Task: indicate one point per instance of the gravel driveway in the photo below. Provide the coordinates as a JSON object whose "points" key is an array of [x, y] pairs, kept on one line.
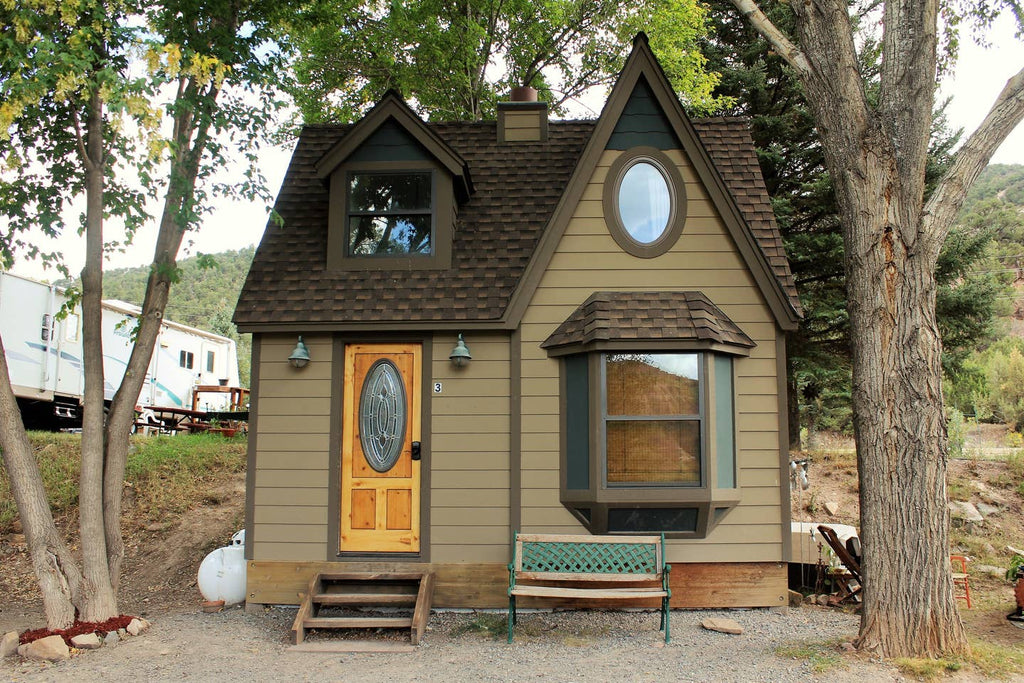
{"points": [[560, 646]]}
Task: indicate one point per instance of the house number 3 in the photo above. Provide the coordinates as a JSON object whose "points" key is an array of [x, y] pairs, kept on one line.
{"points": [[437, 387]]}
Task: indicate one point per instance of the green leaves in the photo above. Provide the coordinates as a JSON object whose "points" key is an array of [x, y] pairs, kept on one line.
{"points": [[455, 60]]}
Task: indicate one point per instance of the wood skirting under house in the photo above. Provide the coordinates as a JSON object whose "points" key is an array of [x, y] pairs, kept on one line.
{"points": [[694, 585]]}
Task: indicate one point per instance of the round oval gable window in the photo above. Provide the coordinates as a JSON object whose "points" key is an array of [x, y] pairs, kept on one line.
{"points": [[644, 202]]}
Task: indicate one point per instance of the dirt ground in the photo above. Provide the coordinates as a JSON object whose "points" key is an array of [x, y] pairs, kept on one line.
{"points": [[979, 477], [162, 559], [160, 564]]}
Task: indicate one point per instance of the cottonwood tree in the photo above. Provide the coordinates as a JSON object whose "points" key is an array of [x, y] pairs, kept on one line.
{"points": [[876, 150], [71, 103], [453, 60], [763, 87]]}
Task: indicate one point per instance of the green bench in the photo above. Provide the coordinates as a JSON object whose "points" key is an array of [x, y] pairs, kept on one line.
{"points": [[588, 568]]}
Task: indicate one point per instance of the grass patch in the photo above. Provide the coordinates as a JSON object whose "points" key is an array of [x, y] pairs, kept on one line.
{"points": [[988, 659], [164, 473], [821, 655], [488, 625], [927, 669]]}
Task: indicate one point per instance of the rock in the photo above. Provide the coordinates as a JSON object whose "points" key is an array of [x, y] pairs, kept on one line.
{"points": [[8, 644], [987, 510], [832, 508], [86, 641], [50, 649], [722, 625], [811, 599], [137, 626], [21, 650], [823, 600], [997, 572], [111, 638], [796, 598], [965, 512]]}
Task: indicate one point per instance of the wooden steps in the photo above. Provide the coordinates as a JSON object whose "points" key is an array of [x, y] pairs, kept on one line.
{"points": [[356, 594]]}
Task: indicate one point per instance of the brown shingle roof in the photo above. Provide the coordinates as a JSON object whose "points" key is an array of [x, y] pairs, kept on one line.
{"points": [[647, 316], [516, 190]]}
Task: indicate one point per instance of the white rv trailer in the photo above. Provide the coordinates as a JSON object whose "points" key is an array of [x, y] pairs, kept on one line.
{"points": [[44, 355]]}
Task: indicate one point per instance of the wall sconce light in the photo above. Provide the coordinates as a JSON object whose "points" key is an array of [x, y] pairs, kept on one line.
{"points": [[300, 355], [460, 354]]}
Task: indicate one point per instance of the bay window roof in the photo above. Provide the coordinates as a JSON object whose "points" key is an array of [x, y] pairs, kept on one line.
{"points": [[629, 320]]}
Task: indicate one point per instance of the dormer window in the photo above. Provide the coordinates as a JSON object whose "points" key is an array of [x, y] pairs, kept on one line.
{"points": [[390, 214]]}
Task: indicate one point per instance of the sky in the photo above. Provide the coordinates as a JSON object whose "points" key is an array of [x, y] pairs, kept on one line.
{"points": [[980, 75]]}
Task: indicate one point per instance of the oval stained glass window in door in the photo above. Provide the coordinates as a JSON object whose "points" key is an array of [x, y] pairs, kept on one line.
{"points": [[382, 415]]}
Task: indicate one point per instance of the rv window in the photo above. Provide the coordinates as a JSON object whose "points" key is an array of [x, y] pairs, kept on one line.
{"points": [[209, 361], [185, 359]]}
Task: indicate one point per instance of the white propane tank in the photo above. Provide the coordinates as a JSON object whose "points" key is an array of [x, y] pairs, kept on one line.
{"points": [[222, 572]]}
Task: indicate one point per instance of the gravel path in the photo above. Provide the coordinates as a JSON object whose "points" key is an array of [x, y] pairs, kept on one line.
{"points": [[561, 646]]}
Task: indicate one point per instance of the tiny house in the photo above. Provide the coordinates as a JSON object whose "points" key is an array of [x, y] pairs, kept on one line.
{"points": [[533, 325], [44, 355]]}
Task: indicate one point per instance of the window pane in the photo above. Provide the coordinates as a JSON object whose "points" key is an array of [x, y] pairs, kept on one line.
{"points": [[370, 235], [654, 451], [652, 384], [644, 202], [387, 192]]}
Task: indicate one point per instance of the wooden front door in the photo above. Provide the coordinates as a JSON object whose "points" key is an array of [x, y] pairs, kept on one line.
{"points": [[380, 466]]}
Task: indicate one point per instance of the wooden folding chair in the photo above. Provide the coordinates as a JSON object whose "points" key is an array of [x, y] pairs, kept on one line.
{"points": [[847, 592], [961, 583]]}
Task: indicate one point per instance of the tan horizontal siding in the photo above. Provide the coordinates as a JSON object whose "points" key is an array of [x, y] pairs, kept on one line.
{"points": [[290, 496], [273, 406], [468, 499], [291, 460], [293, 533], [704, 259], [289, 551], [460, 553], [294, 424], [291, 514], [470, 446]]}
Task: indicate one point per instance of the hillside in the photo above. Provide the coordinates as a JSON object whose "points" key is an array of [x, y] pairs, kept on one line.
{"points": [[204, 295]]}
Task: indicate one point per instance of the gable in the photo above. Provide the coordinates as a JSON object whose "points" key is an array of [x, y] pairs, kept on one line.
{"points": [[390, 142], [643, 77], [643, 122]]}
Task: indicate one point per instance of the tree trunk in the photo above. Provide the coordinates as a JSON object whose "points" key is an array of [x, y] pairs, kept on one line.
{"points": [[58, 575], [191, 133], [909, 609], [792, 404], [99, 601]]}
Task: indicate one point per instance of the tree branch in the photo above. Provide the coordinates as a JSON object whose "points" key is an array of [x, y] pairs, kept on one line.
{"points": [[945, 202], [782, 44]]}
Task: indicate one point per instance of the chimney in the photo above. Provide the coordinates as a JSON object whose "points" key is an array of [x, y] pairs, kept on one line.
{"points": [[523, 119]]}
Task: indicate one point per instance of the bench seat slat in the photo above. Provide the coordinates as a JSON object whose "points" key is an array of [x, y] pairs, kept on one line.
{"points": [[582, 538], [606, 593], [567, 576]]}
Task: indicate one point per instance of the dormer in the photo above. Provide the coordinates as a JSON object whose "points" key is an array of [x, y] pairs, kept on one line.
{"points": [[395, 187]]}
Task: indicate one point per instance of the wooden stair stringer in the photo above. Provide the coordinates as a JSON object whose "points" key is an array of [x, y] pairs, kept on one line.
{"points": [[328, 589]]}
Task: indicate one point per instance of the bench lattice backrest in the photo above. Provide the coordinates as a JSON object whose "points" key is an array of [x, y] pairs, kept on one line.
{"points": [[537, 554]]}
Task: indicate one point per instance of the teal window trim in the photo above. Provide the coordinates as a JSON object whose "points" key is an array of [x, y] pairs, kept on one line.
{"points": [[725, 423]]}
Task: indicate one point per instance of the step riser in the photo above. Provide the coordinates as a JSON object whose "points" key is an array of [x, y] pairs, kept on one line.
{"points": [[354, 590]]}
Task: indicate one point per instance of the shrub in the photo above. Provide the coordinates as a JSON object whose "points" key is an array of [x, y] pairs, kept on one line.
{"points": [[1003, 398]]}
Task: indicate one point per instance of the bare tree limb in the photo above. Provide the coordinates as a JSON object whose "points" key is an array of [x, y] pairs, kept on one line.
{"points": [[782, 44], [1006, 113]]}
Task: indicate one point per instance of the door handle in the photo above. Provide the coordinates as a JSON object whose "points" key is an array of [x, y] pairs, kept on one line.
{"points": [[416, 450]]}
